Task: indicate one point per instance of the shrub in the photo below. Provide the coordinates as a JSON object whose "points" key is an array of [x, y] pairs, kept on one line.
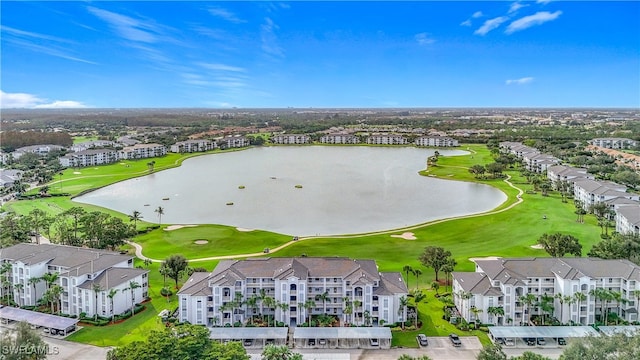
{"points": [[166, 292]]}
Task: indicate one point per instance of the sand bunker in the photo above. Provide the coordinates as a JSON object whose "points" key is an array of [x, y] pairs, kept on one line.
{"points": [[485, 258], [201, 242], [406, 236], [77, 172], [243, 229], [537, 246], [176, 227]]}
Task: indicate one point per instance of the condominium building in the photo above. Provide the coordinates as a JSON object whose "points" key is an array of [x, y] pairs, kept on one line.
{"points": [[339, 139], [517, 285], [563, 173], [437, 141], [189, 146], [291, 289], [86, 145], [388, 139], [590, 192], [614, 143], [235, 141], [89, 158], [291, 139], [142, 151], [628, 219], [84, 275]]}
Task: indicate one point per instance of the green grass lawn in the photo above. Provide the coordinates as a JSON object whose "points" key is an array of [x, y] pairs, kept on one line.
{"points": [[508, 233]]}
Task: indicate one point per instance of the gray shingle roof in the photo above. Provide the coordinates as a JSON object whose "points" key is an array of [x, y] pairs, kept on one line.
{"points": [[113, 277]]}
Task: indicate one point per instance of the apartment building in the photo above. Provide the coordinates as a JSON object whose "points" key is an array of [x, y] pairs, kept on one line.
{"points": [[628, 219], [142, 151], [190, 146], [296, 139], [35, 149], [85, 276], [437, 141], [339, 139], [504, 283], [614, 143], [89, 158], [235, 141], [590, 192], [387, 139], [563, 173], [352, 290], [86, 145]]}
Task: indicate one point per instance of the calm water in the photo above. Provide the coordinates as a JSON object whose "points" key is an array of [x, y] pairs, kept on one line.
{"points": [[344, 190]]}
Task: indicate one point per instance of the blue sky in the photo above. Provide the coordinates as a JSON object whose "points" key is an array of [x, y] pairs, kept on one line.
{"points": [[320, 54]]}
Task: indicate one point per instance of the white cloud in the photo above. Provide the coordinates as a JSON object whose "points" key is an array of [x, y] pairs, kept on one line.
{"points": [[521, 81], [225, 14], [466, 23], [538, 18], [490, 25], [270, 39], [30, 101], [424, 39], [516, 6], [543, 2], [127, 27], [222, 67], [66, 104], [477, 14]]}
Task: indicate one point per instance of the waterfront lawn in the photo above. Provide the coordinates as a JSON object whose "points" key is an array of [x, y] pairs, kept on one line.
{"points": [[222, 240]]}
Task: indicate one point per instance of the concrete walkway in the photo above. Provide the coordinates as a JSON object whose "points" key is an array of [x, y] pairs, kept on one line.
{"points": [[138, 247]]}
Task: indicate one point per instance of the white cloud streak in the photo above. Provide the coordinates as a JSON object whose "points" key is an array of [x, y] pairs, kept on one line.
{"points": [[41, 43], [521, 81], [225, 14], [424, 39], [490, 24], [516, 6], [30, 101], [526, 22], [477, 14], [466, 23], [127, 27], [270, 39]]}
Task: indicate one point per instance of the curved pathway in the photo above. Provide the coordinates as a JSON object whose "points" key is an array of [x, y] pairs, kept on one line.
{"points": [[519, 200]]}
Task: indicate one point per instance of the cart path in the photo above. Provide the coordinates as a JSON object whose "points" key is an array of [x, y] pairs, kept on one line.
{"points": [[138, 247]]}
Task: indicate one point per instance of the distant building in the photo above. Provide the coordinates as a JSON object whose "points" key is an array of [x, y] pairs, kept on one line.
{"points": [[614, 143], [233, 142], [388, 139], [92, 145], [628, 219], [437, 141], [297, 139], [339, 139], [141, 151], [8, 177], [590, 192], [89, 158], [558, 173], [190, 146], [35, 149]]}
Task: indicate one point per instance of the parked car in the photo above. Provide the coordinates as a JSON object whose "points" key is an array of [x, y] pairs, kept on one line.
{"points": [[312, 342], [561, 341], [422, 340], [509, 342], [455, 340], [374, 342], [529, 341], [248, 342], [541, 341], [322, 342]]}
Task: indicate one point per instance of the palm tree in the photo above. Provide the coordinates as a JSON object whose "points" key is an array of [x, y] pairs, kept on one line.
{"points": [[135, 217], [402, 306], [323, 297], [269, 302], [636, 294], [617, 296], [164, 271], [599, 294], [546, 305], [579, 297], [418, 296], [6, 272], [112, 293], [50, 278], [19, 287], [417, 273], [348, 309], [466, 295], [495, 311], [476, 312], [561, 299], [447, 269], [33, 282], [133, 285], [160, 212], [435, 286], [237, 303], [284, 307], [54, 296], [96, 289], [528, 299], [356, 305], [407, 269], [252, 303], [308, 305]]}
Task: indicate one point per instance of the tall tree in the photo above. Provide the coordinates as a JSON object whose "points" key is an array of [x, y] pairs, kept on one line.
{"points": [[176, 264], [579, 297], [434, 257], [133, 285], [135, 217], [557, 244], [407, 269], [160, 211], [279, 352], [528, 299], [32, 345], [96, 290], [111, 295], [402, 306]]}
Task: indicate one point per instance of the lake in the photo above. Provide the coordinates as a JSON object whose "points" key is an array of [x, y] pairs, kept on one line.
{"points": [[306, 190]]}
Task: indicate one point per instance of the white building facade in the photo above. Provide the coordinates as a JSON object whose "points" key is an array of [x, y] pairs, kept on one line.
{"points": [[351, 290]]}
